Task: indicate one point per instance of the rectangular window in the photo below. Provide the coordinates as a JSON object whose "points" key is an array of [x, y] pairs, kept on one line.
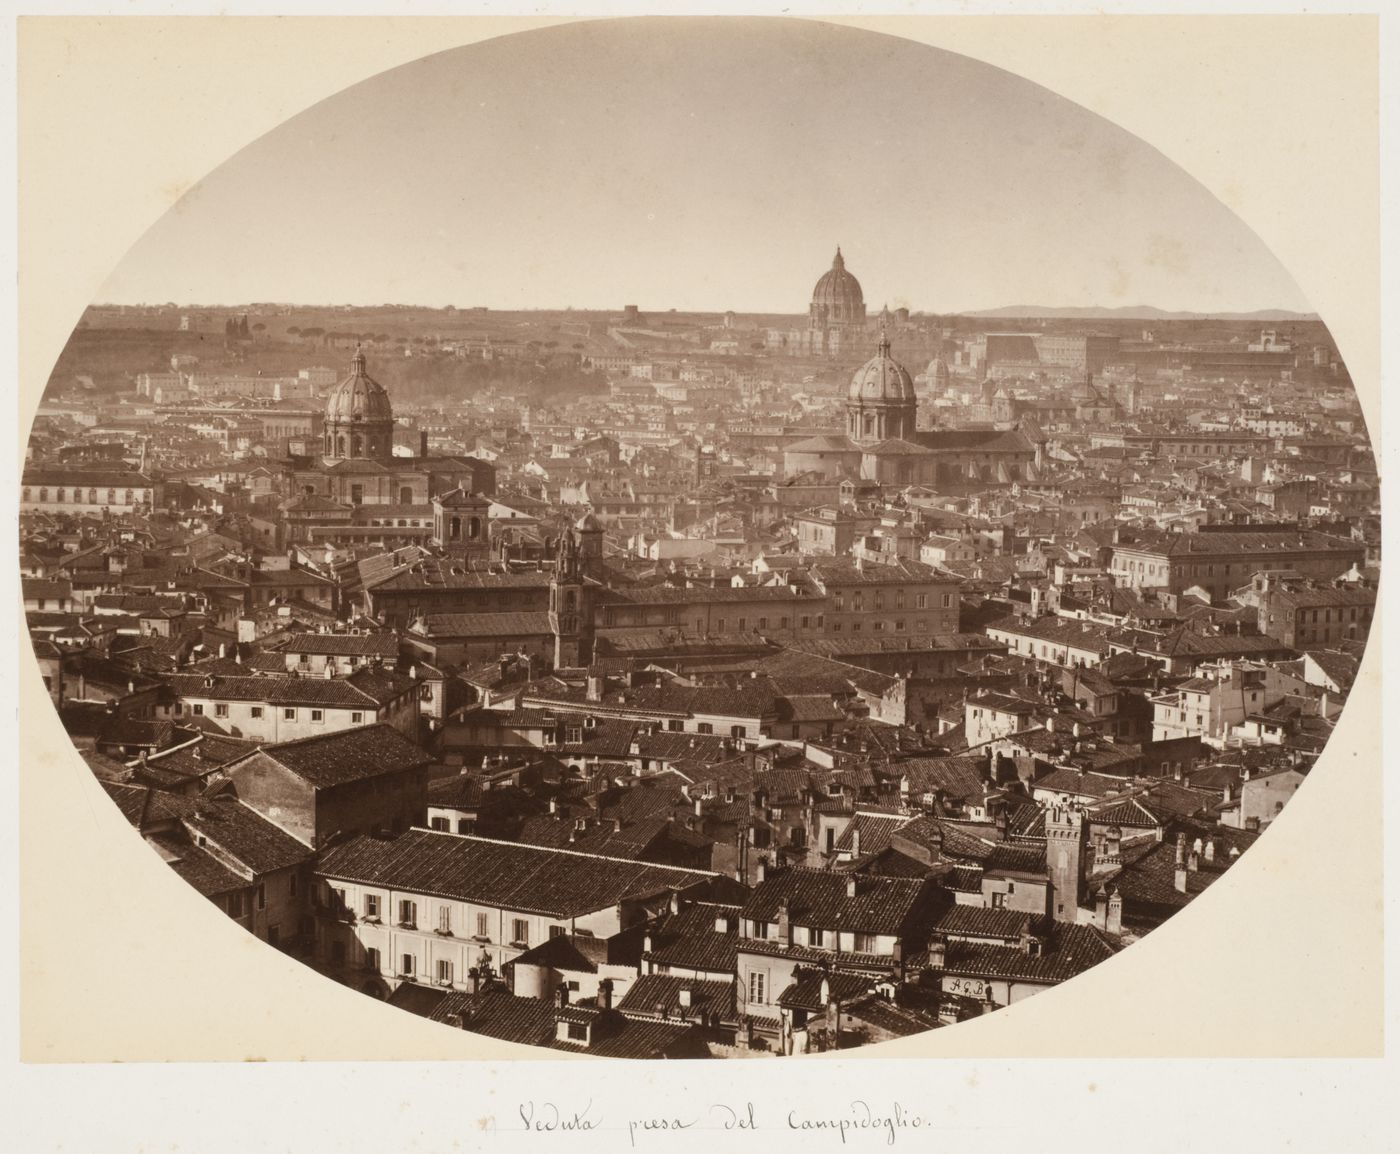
{"points": [[372, 959], [444, 972], [442, 824], [408, 914], [262, 896], [816, 937], [371, 905], [255, 712], [318, 715], [289, 715], [221, 710], [356, 718], [577, 1031], [760, 929], [482, 926], [557, 931], [444, 919], [406, 965], [197, 710], [738, 731], [704, 727], [519, 932], [947, 601], [757, 981], [998, 900]]}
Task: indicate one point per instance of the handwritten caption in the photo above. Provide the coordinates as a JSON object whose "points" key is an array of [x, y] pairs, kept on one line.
{"points": [[859, 1119]]}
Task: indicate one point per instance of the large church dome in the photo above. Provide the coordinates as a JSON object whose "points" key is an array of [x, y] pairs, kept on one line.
{"points": [[882, 378], [359, 422], [359, 397], [837, 298]]}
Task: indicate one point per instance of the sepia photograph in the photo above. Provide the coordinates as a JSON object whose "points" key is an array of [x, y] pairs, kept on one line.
{"points": [[726, 537]]}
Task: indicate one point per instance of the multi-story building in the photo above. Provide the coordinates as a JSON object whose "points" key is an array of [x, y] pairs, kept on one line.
{"points": [[1301, 615], [319, 789], [903, 597], [430, 906], [1221, 561]]}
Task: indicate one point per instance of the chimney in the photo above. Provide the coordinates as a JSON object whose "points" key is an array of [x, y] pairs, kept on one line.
{"points": [[1180, 880], [605, 994], [699, 807], [762, 872], [1180, 850], [1193, 862], [1101, 908], [1210, 851], [855, 843], [595, 686], [675, 902], [562, 993], [474, 980], [784, 925], [937, 954], [1050, 724], [851, 881], [684, 997]]}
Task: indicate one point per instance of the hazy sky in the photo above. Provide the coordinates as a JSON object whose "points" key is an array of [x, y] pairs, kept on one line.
{"points": [[700, 165]]}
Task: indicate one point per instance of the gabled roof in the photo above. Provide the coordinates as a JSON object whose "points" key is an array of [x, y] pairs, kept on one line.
{"points": [[819, 898], [506, 875], [332, 759]]}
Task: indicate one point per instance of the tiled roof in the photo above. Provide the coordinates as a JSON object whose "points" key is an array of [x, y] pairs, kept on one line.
{"points": [[197, 867], [349, 755], [982, 922], [553, 882], [384, 645], [365, 688], [1068, 950], [819, 898], [958, 778], [805, 990], [689, 941], [500, 1014], [246, 836], [438, 625], [875, 831], [659, 995]]}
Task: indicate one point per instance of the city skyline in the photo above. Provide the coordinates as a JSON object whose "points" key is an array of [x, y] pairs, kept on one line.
{"points": [[524, 162]]}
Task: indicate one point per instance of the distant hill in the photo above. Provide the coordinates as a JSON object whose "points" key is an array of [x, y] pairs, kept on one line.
{"points": [[1135, 313]]}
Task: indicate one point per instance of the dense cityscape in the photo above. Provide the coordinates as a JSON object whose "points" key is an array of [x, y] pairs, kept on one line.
{"points": [[653, 684]]}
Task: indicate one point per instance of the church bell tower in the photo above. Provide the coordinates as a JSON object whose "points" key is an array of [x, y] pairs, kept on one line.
{"points": [[570, 606]]}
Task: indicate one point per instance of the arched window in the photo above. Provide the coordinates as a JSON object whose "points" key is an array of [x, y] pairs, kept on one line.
{"points": [[43, 494], [126, 500], [26, 492], [58, 496], [455, 531], [340, 445], [92, 496], [111, 496], [373, 446], [355, 445]]}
